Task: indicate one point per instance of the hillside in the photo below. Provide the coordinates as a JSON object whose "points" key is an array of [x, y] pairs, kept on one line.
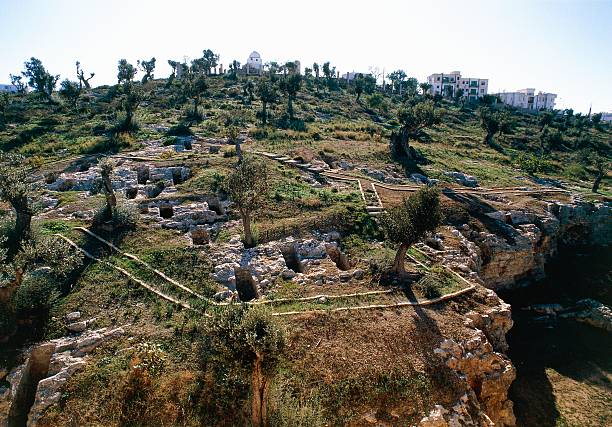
{"points": [[134, 334]]}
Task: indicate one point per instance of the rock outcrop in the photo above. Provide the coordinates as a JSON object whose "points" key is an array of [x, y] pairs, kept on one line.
{"points": [[481, 363], [299, 260], [46, 370], [463, 413], [523, 242]]}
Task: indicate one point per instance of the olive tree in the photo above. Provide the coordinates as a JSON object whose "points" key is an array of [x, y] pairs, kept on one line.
{"points": [[266, 91], [22, 250], [425, 87], [70, 91], [248, 185], [601, 165], [413, 118], [193, 86], [130, 95], [363, 84], [106, 172], [290, 85], [412, 220], [247, 339], [16, 190], [81, 76], [489, 122], [39, 78], [18, 82], [148, 67], [5, 101], [209, 60], [38, 251]]}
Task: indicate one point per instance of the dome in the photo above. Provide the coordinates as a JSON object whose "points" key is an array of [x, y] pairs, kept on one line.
{"points": [[254, 54]]}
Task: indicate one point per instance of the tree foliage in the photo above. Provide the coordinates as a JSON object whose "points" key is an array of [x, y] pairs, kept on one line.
{"points": [[248, 185], [39, 78], [412, 220], [125, 72], [130, 96], [193, 86], [81, 77], [266, 91], [70, 91], [489, 122], [290, 85], [413, 117], [16, 189], [148, 67], [363, 84], [18, 82], [247, 340]]}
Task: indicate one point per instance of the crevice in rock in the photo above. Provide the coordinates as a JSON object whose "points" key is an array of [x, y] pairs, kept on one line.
{"points": [[292, 259], [131, 192], [143, 174], [34, 370], [177, 176], [166, 211], [245, 284]]}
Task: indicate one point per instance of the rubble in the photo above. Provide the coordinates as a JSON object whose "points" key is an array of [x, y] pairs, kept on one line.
{"points": [[463, 179]]}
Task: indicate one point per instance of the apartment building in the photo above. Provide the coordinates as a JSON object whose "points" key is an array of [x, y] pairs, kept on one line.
{"points": [[528, 99], [8, 88], [448, 85]]}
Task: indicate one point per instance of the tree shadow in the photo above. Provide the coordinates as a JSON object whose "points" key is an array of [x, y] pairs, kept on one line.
{"points": [[478, 209]]}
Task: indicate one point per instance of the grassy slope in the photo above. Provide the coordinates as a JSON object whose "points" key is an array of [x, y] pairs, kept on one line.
{"points": [[337, 363]]}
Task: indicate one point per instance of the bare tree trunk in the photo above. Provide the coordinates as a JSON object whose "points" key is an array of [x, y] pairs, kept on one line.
{"points": [[290, 107], [23, 220], [400, 256], [260, 386], [248, 235], [264, 112], [597, 181], [111, 199], [238, 150]]}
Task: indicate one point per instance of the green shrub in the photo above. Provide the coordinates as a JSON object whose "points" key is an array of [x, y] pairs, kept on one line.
{"points": [[229, 153], [533, 164], [36, 295], [170, 140], [181, 129], [259, 133], [125, 217]]}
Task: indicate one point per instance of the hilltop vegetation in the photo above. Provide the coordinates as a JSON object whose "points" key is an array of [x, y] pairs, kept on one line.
{"points": [[311, 117]]}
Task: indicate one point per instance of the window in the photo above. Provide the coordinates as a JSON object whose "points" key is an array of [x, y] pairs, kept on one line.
{"points": [[482, 83], [481, 90], [437, 79]]}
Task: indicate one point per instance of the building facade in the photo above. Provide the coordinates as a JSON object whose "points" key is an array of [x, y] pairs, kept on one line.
{"points": [[8, 88], [606, 117], [448, 85], [254, 64], [527, 99], [352, 75]]}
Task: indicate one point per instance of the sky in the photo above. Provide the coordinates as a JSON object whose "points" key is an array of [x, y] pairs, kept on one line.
{"points": [[559, 46]]}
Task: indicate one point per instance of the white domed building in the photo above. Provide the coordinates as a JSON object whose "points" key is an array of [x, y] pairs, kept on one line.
{"points": [[254, 64]]}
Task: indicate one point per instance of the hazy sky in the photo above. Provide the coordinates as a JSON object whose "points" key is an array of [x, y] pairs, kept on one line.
{"points": [[564, 47]]}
